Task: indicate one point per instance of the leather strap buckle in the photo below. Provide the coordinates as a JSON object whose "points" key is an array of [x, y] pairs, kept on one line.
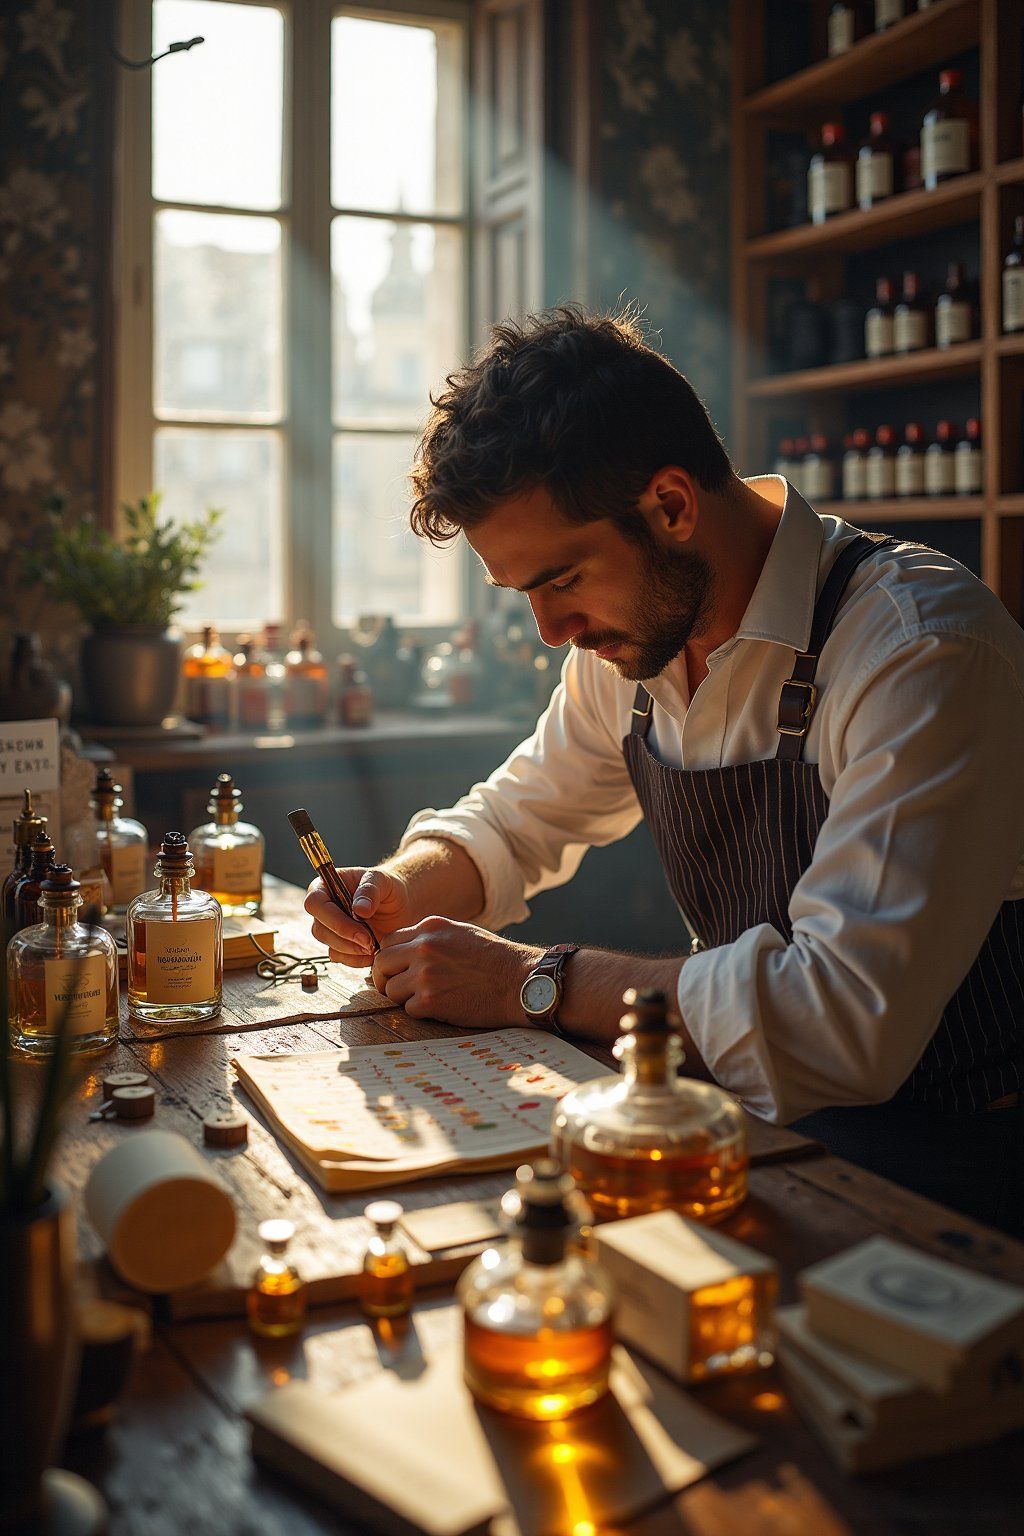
{"points": [[796, 707]]}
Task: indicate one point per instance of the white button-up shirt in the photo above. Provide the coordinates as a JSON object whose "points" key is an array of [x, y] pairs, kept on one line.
{"points": [[919, 741]]}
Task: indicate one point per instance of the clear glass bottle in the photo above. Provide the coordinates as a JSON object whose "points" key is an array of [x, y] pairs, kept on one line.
{"points": [[649, 1140], [175, 950], [59, 968], [387, 1282], [82, 851], [306, 687], [209, 672], [537, 1315], [28, 891], [354, 704], [252, 692], [276, 1303], [228, 853], [26, 826], [123, 843]]}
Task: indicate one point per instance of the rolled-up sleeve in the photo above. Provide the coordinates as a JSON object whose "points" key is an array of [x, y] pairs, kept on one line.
{"points": [[563, 790], [920, 847]]}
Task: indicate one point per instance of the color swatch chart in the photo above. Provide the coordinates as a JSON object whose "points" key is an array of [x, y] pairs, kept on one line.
{"points": [[475, 1096]]}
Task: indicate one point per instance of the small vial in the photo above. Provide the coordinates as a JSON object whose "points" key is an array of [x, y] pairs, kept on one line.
{"points": [[276, 1303], [387, 1281]]}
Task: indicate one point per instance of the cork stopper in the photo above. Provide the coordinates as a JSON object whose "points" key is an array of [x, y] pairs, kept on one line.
{"points": [[60, 888], [650, 1034], [27, 823], [225, 800], [106, 795], [174, 858], [543, 1219]]}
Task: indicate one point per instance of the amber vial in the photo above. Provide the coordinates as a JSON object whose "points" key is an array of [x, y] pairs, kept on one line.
{"points": [[387, 1282], [276, 1304]]}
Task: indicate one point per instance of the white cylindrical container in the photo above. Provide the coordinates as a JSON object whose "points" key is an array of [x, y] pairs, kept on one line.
{"points": [[164, 1216]]}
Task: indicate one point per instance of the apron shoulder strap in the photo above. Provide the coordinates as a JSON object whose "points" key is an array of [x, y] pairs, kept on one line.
{"points": [[640, 714], [799, 697]]}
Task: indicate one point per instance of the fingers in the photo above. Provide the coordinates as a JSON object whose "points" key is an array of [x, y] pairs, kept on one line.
{"points": [[371, 891], [330, 924], [354, 952]]}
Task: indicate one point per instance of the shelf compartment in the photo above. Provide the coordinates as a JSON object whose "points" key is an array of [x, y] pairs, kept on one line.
{"points": [[1010, 171], [1011, 345], [914, 44], [873, 372], [905, 509], [897, 218]]}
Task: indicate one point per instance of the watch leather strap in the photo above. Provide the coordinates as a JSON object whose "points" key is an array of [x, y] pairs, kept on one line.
{"points": [[552, 963]]}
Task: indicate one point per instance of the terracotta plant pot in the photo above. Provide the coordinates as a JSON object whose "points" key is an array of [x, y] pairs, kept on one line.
{"points": [[38, 1354], [131, 674]]}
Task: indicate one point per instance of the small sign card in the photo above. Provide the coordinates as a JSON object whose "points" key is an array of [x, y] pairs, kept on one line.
{"points": [[29, 759]]}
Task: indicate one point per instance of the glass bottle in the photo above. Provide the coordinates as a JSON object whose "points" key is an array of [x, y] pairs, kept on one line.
{"points": [[649, 1140], [387, 1282], [967, 466], [949, 132], [954, 309], [208, 672], [876, 163], [887, 14], [878, 322], [829, 182], [880, 473], [252, 694], [1013, 280], [819, 470], [940, 461], [60, 970], [855, 486], [276, 1303], [228, 853], [910, 320], [909, 468], [275, 675], [801, 448], [123, 842], [784, 459], [24, 829], [355, 696], [305, 683], [82, 851], [28, 890], [175, 950], [537, 1315], [845, 27]]}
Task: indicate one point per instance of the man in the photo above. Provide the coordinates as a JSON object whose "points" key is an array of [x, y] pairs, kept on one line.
{"points": [[825, 733]]}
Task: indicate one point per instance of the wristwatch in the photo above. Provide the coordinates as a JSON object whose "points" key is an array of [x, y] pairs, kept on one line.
{"points": [[541, 992]]}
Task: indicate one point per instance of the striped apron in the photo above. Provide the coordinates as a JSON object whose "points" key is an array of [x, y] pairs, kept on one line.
{"points": [[734, 842]]}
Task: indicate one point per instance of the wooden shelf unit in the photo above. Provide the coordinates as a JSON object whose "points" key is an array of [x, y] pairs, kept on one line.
{"points": [[987, 198]]}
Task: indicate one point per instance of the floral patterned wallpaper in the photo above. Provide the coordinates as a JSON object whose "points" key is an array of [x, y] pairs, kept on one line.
{"points": [[52, 240], [660, 234]]}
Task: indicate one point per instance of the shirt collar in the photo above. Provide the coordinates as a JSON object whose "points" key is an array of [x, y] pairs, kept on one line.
{"points": [[781, 608]]}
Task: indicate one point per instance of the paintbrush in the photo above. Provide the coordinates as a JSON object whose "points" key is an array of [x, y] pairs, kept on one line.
{"points": [[315, 849]]}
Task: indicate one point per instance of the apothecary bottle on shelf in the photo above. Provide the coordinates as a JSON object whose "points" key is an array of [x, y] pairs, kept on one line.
{"points": [[910, 328], [1013, 280], [829, 180], [879, 340], [855, 460], [876, 163], [26, 827], [175, 948], [537, 1313], [62, 974], [967, 461], [909, 470], [208, 670], [650, 1140], [949, 133], [123, 843], [940, 462], [228, 853], [305, 686], [880, 470], [845, 27], [954, 309], [887, 14]]}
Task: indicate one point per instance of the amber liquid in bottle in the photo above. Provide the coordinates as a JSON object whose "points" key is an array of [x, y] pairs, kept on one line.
{"points": [[545, 1376], [276, 1301], [704, 1187], [728, 1330], [387, 1283]]}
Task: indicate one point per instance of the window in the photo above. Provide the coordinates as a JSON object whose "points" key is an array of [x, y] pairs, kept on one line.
{"points": [[295, 243]]}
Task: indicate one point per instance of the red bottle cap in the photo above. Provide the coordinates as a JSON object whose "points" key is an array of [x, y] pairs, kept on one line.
{"points": [[914, 432], [911, 285], [945, 431], [973, 429], [885, 437], [883, 290], [954, 274], [950, 80], [879, 124], [832, 133], [847, 442], [786, 447], [819, 442], [861, 437], [801, 446]]}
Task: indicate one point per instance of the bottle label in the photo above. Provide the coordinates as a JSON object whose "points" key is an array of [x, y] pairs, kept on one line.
{"points": [[253, 704], [909, 474], [887, 12], [910, 330], [874, 177], [967, 471], [238, 871], [92, 893], [945, 149], [828, 188], [819, 480], [878, 334], [180, 961], [938, 472], [840, 32], [356, 706], [127, 872], [881, 478], [1013, 299], [80, 986], [305, 698], [952, 323], [208, 700], [855, 480]]}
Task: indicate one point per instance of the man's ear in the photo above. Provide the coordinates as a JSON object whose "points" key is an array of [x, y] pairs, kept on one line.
{"points": [[670, 504]]}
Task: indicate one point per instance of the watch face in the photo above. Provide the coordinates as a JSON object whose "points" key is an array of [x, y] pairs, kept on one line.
{"points": [[539, 994]]}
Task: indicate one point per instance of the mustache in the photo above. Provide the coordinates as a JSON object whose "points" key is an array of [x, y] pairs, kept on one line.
{"points": [[596, 642]]}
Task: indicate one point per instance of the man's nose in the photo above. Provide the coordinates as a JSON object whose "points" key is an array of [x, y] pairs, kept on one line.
{"points": [[555, 628]]}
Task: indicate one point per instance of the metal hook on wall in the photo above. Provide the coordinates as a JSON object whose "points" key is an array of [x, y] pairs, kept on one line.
{"points": [[148, 63]]}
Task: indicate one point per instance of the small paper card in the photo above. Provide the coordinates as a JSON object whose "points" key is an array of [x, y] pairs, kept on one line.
{"points": [[29, 759], [437, 1227]]}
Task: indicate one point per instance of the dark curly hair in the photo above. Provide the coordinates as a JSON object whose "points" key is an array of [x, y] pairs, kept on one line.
{"points": [[578, 403]]}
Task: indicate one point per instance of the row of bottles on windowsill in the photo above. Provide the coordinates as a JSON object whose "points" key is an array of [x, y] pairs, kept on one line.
{"points": [[838, 181], [257, 687], [880, 467], [850, 21]]}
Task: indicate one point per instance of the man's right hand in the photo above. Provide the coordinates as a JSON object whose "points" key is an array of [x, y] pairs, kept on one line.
{"points": [[379, 897]]}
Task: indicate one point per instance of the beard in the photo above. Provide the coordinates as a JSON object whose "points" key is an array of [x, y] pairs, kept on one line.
{"points": [[674, 605]]}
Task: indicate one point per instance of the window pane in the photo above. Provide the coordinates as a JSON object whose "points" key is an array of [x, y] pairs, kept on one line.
{"points": [[396, 116], [241, 473], [217, 110], [397, 316], [380, 566], [217, 316]]}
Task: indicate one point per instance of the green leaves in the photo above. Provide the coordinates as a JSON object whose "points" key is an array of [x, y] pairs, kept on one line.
{"points": [[137, 579]]}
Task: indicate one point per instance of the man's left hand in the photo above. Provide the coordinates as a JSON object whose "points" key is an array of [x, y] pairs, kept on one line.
{"points": [[455, 973]]}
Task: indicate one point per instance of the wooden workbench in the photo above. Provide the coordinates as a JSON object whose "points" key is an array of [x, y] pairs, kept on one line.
{"points": [[176, 1459]]}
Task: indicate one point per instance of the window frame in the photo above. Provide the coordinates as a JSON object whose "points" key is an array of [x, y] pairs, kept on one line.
{"points": [[306, 213]]}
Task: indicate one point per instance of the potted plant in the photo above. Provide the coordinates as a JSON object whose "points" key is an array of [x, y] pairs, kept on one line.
{"points": [[127, 590]]}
